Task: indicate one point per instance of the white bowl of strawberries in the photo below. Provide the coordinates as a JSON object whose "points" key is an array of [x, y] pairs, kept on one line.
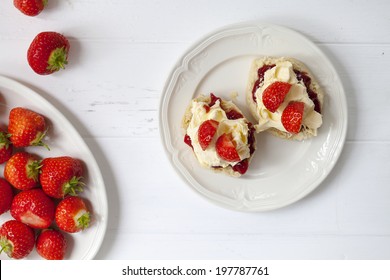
{"points": [[53, 201]]}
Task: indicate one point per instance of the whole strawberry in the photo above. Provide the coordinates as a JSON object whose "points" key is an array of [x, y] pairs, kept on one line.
{"points": [[33, 208], [22, 171], [6, 196], [6, 148], [30, 7], [51, 244], [16, 239], [48, 52], [26, 127], [61, 176], [72, 214]]}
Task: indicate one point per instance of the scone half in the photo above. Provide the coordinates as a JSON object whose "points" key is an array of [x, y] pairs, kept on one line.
{"points": [[221, 138], [302, 88]]}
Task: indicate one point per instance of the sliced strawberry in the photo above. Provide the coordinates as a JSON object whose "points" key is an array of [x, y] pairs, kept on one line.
{"points": [[206, 133], [226, 148], [274, 95], [292, 116]]}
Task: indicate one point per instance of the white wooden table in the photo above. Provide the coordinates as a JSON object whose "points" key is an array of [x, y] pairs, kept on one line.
{"points": [[121, 54]]}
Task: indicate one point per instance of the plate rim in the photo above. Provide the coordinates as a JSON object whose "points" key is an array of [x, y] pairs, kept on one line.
{"points": [[181, 64]]}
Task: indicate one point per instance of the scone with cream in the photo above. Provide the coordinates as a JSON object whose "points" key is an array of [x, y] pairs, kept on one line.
{"points": [[284, 98], [221, 137]]}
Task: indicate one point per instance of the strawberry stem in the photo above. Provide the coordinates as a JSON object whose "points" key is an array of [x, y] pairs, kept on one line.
{"points": [[57, 59], [73, 186], [83, 220], [33, 169], [6, 246], [38, 140], [4, 139]]}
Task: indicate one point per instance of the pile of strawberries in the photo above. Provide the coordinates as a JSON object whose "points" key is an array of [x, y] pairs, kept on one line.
{"points": [[40, 194], [48, 52]]}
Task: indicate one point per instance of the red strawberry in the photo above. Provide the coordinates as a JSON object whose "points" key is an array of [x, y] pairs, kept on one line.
{"points": [[6, 148], [48, 52], [61, 176], [27, 128], [274, 95], [206, 133], [33, 208], [51, 244], [292, 116], [22, 171], [30, 7], [72, 214], [226, 148], [6, 196], [16, 239]]}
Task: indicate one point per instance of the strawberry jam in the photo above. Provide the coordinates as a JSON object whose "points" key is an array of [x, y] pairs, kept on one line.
{"points": [[260, 79], [302, 76], [213, 100], [243, 165]]}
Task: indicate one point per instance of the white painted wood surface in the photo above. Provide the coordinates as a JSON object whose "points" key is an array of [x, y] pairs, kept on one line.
{"points": [[121, 54]]}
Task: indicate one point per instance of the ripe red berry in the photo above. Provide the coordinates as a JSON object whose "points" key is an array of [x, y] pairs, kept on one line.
{"points": [[48, 52], [226, 148], [206, 133], [33, 208], [292, 116], [72, 214], [61, 176], [30, 7], [6, 196], [51, 244], [274, 95], [22, 171], [26, 128], [16, 239]]}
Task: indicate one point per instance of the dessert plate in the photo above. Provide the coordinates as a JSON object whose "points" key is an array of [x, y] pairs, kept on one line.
{"points": [[282, 171], [63, 139]]}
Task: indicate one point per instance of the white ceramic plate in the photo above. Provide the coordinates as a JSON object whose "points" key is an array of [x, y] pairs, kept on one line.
{"points": [[63, 139], [282, 171]]}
